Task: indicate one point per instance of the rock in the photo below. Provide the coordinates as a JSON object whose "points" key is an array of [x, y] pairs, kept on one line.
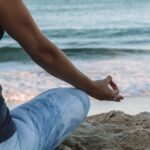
{"points": [[111, 131]]}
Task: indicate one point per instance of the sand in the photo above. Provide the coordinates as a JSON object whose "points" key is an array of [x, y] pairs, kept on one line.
{"points": [[111, 131]]}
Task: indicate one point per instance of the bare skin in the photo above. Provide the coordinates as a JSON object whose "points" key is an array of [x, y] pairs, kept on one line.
{"points": [[16, 20]]}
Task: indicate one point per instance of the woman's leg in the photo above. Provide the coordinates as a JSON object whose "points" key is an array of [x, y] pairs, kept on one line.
{"points": [[49, 118], [11, 144]]}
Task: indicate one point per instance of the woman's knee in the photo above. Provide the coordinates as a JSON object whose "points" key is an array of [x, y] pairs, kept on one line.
{"points": [[83, 98], [73, 108], [73, 100], [70, 102]]}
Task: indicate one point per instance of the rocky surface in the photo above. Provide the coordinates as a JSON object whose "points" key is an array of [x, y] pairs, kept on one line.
{"points": [[111, 131]]}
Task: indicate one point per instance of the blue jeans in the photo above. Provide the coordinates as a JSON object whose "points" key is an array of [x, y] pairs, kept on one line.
{"points": [[46, 121]]}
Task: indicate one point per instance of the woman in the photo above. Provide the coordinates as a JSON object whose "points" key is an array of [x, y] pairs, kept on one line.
{"points": [[45, 121]]}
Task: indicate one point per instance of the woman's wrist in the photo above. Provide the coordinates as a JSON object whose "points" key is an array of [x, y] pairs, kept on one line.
{"points": [[89, 86]]}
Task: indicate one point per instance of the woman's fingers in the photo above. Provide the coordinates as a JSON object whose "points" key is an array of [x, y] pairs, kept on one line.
{"points": [[112, 84], [113, 96], [108, 79], [109, 90], [118, 98]]}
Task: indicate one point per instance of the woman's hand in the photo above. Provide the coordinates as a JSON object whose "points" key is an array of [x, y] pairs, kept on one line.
{"points": [[105, 89]]}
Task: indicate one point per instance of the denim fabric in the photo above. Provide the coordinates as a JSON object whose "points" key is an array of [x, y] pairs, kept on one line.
{"points": [[45, 121]]}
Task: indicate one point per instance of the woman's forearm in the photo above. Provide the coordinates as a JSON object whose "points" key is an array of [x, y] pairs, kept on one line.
{"points": [[53, 60]]}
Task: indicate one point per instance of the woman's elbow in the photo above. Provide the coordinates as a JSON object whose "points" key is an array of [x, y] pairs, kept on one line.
{"points": [[41, 53], [42, 56]]}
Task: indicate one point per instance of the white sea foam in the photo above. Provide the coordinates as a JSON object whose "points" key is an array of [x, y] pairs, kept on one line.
{"points": [[24, 81]]}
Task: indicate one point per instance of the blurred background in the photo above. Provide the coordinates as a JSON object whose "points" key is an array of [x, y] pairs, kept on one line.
{"points": [[101, 37]]}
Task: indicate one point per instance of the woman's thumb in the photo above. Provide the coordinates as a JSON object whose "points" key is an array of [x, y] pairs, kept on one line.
{"points": [[108, 79]]}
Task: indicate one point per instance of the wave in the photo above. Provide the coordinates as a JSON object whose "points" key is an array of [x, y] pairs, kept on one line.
{"points": [[132, 36], [17, 54], [96, 32], [12, 54], [112, 31]]}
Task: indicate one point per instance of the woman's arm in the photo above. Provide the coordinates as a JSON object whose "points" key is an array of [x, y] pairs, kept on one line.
{"points": [[18, 23]]}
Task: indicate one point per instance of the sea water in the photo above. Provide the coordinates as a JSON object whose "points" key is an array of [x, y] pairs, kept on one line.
{"points": [[101, 37]]}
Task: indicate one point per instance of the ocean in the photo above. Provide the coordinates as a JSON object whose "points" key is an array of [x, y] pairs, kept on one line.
{"points": [[101, 37]]}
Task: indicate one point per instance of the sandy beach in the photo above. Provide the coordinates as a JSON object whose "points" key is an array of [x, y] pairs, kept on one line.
{"points": [[113, 130]]}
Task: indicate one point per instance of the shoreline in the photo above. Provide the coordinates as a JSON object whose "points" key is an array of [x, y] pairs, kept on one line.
{"points": [[130, 105]]}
